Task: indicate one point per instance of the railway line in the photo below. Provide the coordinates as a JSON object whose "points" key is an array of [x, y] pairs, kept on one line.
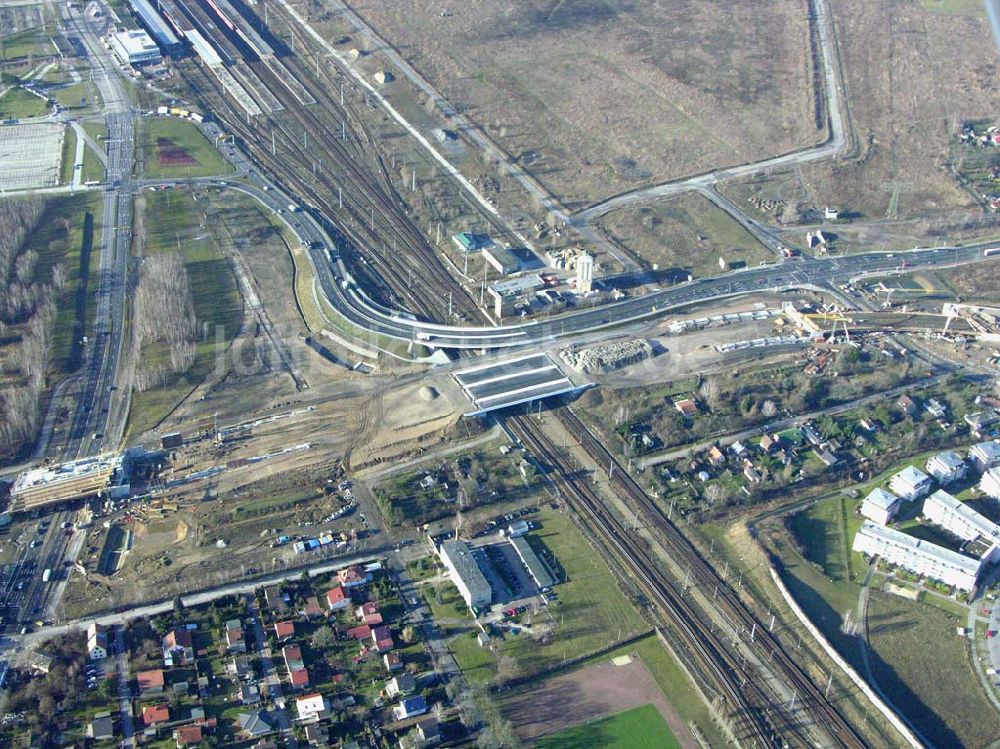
{"points": [[323, 152], [766, 646], [752, 712]]}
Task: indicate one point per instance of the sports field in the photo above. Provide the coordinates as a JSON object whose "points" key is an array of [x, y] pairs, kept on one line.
{"points": [[638, 728]]}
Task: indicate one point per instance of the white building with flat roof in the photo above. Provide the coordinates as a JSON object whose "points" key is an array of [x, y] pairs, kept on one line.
{"points": [[989, 484], [947, 467], [918, 556], [135, 47], [910, 483], [957, 517], [465, 573], [880, 506], [985, 455]]}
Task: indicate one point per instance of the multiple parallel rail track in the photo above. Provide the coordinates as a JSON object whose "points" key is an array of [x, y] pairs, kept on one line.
{"points": [[754, 713]]}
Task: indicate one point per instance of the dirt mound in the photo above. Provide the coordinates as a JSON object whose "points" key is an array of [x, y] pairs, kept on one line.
{"points": [[169, 153]]}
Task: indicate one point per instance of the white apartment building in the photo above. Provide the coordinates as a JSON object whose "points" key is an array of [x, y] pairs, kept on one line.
{"points": [[947, 467], [957, 517], [917, 556], [910, 483], [880, 506], [985, 455]]}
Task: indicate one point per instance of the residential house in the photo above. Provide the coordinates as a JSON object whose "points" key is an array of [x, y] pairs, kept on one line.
{"points": [[256, 724], [812, 434], [178, 645], [180, 688], [716, 456], [826, 457], [393, 661], [249, 694], [880, 506], [980, 420], [936, 408], [309, 706], [910, 483], [907, 405], [985, 455], [768, 443], [751, 474], [312, 608], [150, 682], [292, 655], [369, 613], [102, 727], [299, 678], [410, 707], [317, 735], [240, 667], [425, 733], [354, 576], [361, 632], [275, 599], [402, 684], [187, 736], [687, 408], [989, 484], [337, 598], [235, 642], [39, 663], [97, 642], [738, 449], [284, 630], [382, 637], [947, 467], [153, 714]]}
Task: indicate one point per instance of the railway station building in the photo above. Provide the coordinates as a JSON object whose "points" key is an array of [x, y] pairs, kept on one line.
{"points": [[134, 47], [465, 573]]}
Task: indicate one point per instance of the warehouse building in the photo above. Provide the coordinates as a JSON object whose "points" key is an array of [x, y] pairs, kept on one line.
{"points": [[503, 260], [77, 479], [134, 47], [880, 506], [985, 455], [917, 556], [157, 26], [468, 242], [465, 573], [947, 467], [536, 568], [910, 483], [957, 517]]}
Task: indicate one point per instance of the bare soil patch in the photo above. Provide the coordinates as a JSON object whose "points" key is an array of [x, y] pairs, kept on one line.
{"points": [[587, 694], [169, 153]]}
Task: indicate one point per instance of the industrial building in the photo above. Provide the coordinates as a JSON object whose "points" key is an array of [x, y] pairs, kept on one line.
{"points": [[957, 517], [910, 483], [468, 242], [584, 273], [917, 556], [536, 568], [881, 506], [134, 47], [157, 26], [507, 293], [465, 573], [503, 260], [985, 455], [77, 479], [989, 484], [947, 467]]}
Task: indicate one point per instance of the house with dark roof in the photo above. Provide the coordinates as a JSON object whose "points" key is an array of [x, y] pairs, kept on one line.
{"points": [[382, 637], [178, 645], [102, 727], [256, 724], [410, 707], [393, 662], [275, 599]]}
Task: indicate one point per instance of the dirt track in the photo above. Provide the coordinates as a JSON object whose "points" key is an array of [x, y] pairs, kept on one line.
{"points": [[588, 694]]}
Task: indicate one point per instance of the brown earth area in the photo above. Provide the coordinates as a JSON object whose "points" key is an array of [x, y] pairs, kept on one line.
{"points": [[590, 693], [170, 154]]}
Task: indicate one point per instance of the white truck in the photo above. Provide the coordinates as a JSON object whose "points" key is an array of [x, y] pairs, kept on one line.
{"points": [[47, 575]]}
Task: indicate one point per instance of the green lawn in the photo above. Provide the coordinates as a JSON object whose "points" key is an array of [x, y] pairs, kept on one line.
{"points": [[69, 97], [68, 155], [92, 167], [592, 612], [172, 147], [23, 43], [174, 222], [479, 665], [18, 104], [639, 728]]}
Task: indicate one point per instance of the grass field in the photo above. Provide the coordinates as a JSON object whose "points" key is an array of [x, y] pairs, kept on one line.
{"points": [[577, 92], [70, 97], [172, 147], [639, 728], [174, 222], [68, 156], [28, 42], [18, 104], [684, 235]]}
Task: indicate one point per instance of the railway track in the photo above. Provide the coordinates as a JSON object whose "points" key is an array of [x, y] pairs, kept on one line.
{"points": [[324, 153], [766, 646]]}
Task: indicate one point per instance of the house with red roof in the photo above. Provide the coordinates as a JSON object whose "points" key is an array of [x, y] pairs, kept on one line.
{"points": [[369, 613], [337, 598], [382, 638], [312, 609], [284, 630], [361, 632], [292, 655], [153, 714], [392, 661], [354, 576], [187, 736], [150, 682], [299, 678]]}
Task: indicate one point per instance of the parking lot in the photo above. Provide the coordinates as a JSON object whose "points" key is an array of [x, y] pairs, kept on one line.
{"points": [[30, 155]]}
